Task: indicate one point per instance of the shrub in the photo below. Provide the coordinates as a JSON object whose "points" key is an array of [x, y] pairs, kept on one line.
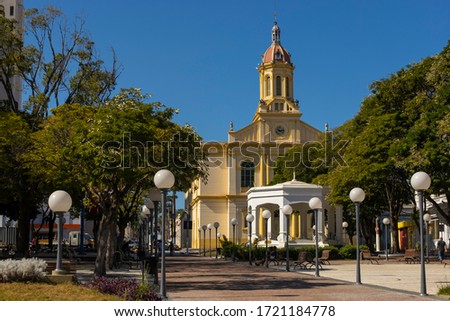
{"points": [[334, 252], [349, 251], [24, 270], [130, 290], [444, 289]]}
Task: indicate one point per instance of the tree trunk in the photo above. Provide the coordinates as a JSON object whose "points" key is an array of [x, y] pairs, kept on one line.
{"points": [[104, 231], [112, 245], [23, 239]]}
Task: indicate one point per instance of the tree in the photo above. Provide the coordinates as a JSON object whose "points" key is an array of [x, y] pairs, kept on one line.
{"points": [[426, 146], [113, 151], [19, 193], [402, 127], [59, 65], [10, 45], [394, 135]]}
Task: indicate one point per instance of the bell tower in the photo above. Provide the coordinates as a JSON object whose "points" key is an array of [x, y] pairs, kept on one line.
{"points": [[276, 79]]}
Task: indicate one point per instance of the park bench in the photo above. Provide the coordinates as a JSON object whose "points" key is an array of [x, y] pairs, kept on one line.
{"points": [[120, 259], [324, 259], [367, 256], [411, 256], [305, 260], [67, 265]]}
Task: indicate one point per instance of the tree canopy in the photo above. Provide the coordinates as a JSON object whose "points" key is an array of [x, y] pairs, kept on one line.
{"points": [[401, 128], [112, 151]]}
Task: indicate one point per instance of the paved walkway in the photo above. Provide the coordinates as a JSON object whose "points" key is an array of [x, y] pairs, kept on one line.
{"points": [[200, 278], [197, 278]]}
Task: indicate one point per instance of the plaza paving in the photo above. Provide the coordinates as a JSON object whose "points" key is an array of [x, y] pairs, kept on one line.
{"points": [[197, 278]]}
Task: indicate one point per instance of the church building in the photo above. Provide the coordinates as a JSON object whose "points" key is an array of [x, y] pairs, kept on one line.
{"points": [[242, 166]]}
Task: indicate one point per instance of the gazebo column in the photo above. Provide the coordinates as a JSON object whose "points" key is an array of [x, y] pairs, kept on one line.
{"points": [[254, 224], [283, 226], [295, 225]]}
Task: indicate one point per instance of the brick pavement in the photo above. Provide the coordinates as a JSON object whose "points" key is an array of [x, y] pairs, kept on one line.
{"points": [[196, 278]]}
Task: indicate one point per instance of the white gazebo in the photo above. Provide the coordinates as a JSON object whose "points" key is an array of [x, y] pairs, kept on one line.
{"points": [[302, 225]]}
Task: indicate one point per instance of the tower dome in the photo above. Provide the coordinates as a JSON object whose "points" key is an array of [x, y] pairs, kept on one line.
{"points": [[276, 52]]}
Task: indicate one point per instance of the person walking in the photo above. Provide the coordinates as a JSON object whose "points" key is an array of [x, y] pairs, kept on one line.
{"points": [[441, 249]]}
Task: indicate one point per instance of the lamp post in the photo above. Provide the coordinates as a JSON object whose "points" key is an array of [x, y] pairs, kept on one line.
{"points": [[155, 196], [287, 211], [188, 228], [204, 228], [209, 229], [420, 181], [216, 226], [250, 218], [150, 206], [218, 237], [234, 223], [315, 204], [164, 180], [386, 222], [59, 202], [344, 226], [145, 214], [427, 219], [200, 240], [357, 195], [266, 215]]}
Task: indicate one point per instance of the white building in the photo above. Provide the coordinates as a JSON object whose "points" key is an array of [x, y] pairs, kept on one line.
{"points": [[13, 9]]}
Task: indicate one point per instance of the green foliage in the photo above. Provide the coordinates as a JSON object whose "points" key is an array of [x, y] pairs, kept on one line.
{"points": [[349, 251], [444, 289], [259, 252], [112, 152]]}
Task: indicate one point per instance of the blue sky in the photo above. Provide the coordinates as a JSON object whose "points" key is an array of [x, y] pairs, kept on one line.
{"points": [[201, 56]]}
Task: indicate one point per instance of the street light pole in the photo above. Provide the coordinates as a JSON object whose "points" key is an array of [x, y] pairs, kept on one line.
{"points": [[151, 209], [344, 226], [427, 219], [204, 227], [386, 222], [233, 223], [60, 203], [357, 195], [200, 240], [315, 203], [420, 181], [216, 226], [209, 228], [164, 180], [266, 215], [250, 218], [145, 215], [287, 211]]}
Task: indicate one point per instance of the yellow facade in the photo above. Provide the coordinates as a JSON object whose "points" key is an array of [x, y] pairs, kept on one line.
{"points": [[247, 159]]}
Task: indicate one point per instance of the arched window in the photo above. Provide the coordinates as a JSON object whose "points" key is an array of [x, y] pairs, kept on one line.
{"points": [[267, 86], [247, 174], [278, 86], [288, 93]]}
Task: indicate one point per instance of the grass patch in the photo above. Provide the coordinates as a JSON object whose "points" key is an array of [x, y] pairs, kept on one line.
{"points": [[51, 292], [444, 290]]}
